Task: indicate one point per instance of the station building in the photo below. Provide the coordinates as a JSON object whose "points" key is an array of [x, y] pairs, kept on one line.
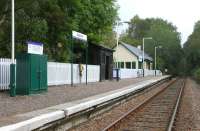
{"points": [[97, 55], [103, 56], [127, 56]]}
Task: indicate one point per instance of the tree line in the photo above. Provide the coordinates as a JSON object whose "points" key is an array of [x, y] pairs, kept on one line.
{"points": [[192, 52], [52, 21], [164, 34]]}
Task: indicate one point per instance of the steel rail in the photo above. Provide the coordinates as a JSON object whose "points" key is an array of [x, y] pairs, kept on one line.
{"points": [[113, 125], [172, 120]]}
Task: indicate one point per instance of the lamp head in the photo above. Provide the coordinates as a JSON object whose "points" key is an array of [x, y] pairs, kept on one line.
{"points": [[127, 22], [150, 38]]}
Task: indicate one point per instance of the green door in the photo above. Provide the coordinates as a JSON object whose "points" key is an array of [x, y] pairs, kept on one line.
{"points": [[35, 73], [43, 72]]}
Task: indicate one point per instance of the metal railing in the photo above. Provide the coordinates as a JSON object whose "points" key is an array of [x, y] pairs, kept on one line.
{"points": [[4, 73]]}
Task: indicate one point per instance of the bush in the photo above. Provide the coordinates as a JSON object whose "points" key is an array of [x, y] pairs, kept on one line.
{"points": [[196, 74]]}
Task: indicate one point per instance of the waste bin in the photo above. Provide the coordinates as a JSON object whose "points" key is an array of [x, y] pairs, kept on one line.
{"points": [[31, 74]]}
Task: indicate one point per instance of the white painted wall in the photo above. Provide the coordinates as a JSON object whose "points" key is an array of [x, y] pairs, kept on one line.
{"points": [[121, 54]]}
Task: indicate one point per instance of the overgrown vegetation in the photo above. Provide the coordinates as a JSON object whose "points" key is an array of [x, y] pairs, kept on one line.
{"points": [[52, 21], [196, 74], [192, 52]]}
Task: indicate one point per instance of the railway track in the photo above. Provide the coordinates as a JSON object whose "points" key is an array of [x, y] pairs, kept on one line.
{"points": [[155, 114]]}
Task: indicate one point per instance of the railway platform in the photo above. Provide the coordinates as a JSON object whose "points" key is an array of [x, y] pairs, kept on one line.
{"points": [[32, 112]]}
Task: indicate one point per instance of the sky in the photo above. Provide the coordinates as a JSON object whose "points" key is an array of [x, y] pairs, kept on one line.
{"points": [[182, 13]]}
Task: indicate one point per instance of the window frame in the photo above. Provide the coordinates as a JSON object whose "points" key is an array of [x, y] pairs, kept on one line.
{"points": [[133, 63]]}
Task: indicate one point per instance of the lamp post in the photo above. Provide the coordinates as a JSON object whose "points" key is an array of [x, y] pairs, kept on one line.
{"points": [[118, 33], [117, 66], [118, 24], [155, 60], [13, 31], [145, 38], [12, 66]]}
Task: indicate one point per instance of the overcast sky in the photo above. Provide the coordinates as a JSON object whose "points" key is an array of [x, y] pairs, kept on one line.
{"points": [[182, 13]]}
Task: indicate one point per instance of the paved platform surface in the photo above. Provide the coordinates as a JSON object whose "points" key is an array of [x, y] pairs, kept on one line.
{"points": [[11, 107]]}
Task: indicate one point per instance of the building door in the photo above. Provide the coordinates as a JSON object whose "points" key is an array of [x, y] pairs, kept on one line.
{"points": [[107, 67], [38, 72], [35, 73], [43, 72]]}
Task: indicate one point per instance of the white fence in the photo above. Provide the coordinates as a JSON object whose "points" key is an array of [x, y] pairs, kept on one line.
{"points": [[4, 73], [58, 73], [133, 73], [152, 73]]}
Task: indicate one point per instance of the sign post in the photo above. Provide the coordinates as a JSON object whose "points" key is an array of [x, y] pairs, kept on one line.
{"points": [[83, 38]]}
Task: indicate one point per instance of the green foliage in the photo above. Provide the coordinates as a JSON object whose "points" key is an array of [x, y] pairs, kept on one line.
{"points": [[192, 49], [164, 34], [196, 74], [52, 21], [127, 39]]}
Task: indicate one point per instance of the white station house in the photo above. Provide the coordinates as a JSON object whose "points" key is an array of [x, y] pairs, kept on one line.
{"points": [[129, 57]]}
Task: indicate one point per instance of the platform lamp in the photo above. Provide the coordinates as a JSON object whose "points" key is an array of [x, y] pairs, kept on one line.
{"points": [[155, 60], [143, 40], [117, 29], [13, 66]]}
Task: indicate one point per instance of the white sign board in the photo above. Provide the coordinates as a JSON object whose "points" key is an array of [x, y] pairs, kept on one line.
{"points": [[140, 59], [35, 48], [79, 36]]}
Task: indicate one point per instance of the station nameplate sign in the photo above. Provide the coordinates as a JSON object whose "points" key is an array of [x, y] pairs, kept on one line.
{"points": [[79, 36], [35, 48]]}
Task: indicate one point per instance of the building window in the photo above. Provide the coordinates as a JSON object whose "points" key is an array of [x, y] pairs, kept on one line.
{"points": [[140, 65], [121, 64], [134, 65], [118, 64], [128, 65]]}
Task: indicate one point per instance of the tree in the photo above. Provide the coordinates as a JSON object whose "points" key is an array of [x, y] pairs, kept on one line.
{"points": [[164, 34], [52, 21], [192, 50]]}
